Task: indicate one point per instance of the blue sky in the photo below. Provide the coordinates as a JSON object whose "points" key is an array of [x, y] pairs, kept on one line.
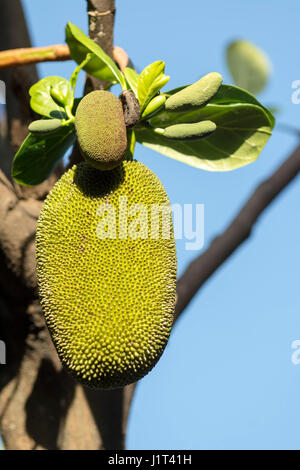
{"points": [[226, 380]]}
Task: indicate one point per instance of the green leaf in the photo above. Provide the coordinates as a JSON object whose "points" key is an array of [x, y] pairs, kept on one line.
{"points": [[249, 66], [229, 94], [150, 81], [242, 132], [43, 99], [38, 155], [273, 109], [132, 78], [101, 65]]}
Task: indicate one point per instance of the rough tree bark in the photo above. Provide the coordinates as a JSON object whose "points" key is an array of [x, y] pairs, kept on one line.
{"points": [[101, 14]]}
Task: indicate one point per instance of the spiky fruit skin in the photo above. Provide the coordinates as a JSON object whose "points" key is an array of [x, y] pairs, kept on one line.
{"points": [[44, 126], [101, 130], [108, 303], [191, 131], [195, 96]]}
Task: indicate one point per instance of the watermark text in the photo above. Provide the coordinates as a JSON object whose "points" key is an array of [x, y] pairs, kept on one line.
{"points": [[296, 354], [138, 221], [2, 92], [2, 353]]}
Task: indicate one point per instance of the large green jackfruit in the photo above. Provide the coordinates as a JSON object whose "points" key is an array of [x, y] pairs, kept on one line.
{"points": [[108, 300], [101, 130]]}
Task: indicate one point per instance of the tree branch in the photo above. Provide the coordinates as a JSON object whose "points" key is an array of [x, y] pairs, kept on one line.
{"points": [[101, 14], [56, 52], [203, 267], [33, 55]]}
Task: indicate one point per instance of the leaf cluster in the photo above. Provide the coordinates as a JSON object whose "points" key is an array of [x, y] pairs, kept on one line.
{"points": [[244, 125]]}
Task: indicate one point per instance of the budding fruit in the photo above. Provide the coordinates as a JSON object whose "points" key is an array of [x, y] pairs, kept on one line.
{"points": [[248, 65], [58, 96], [44, 126], [187, 132], [196, 95], [101, 130], [154, 106]]}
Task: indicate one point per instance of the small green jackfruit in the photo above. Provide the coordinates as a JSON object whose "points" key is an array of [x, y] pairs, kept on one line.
{"points": [[108, 300], [248, 65], [44, 126], [187, 132], [196, 95], [101, 130], [155, 105]]}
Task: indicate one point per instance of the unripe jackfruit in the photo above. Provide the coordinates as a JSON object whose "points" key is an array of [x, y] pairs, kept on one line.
{"points": [[196, 95], [248, 65], [101, 130], [44, 126], [108, 301], [190, 131]]}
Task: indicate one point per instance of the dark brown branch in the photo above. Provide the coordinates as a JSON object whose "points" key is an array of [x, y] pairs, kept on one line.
{"points": [[202, 268], [101, 14], [14, 34]]}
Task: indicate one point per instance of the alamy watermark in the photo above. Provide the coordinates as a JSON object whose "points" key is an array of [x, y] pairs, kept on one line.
{"points": [[2, 92], [296, 93], [296, 354], [137, 221], [2, 353]]}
